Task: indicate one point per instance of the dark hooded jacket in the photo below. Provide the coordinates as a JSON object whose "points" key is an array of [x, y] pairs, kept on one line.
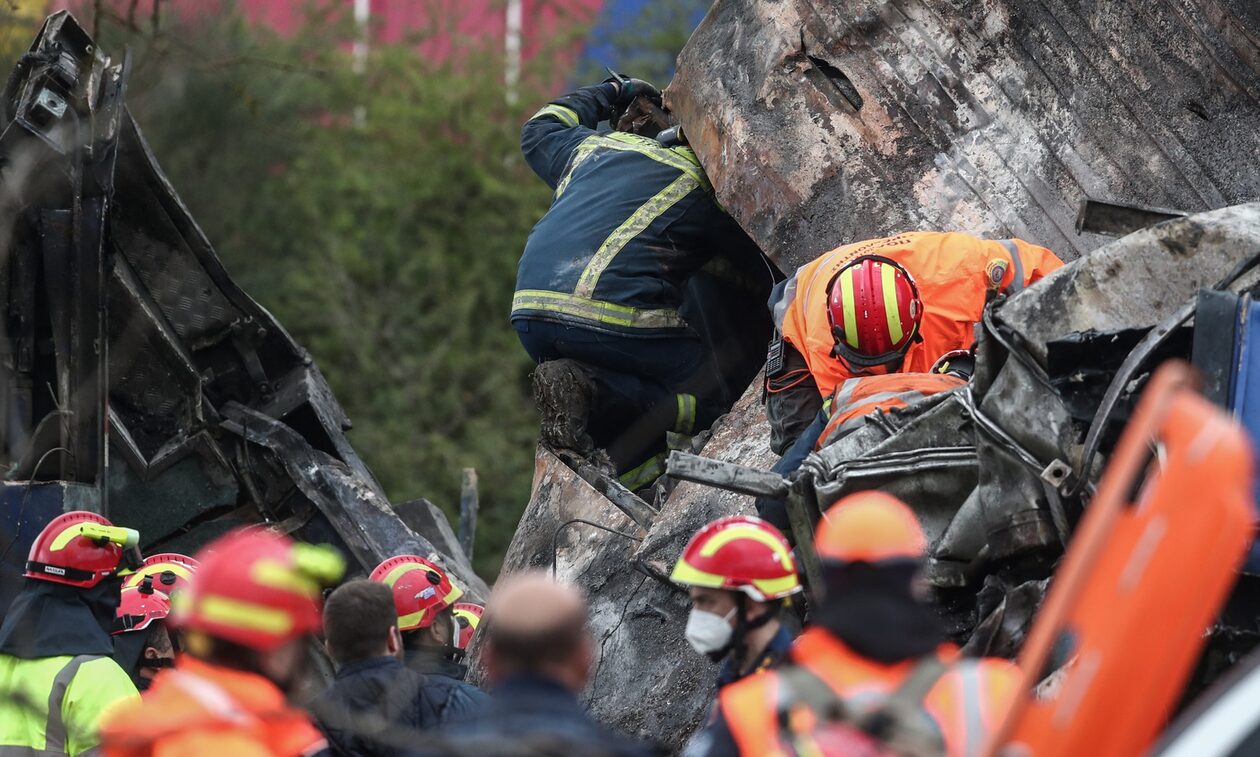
{"points": [[378, 706], [48, 619]]}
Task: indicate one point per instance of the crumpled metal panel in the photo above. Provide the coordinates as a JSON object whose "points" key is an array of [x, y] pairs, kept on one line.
{"points": [[1133, 283], [924, 454], [821, 122], [210, 414]]}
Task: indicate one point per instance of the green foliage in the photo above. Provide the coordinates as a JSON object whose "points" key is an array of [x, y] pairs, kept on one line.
{"points": [[379, 215]]}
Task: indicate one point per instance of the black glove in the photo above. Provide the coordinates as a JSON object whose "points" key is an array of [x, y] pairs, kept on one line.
{"points": [[628, 90]]}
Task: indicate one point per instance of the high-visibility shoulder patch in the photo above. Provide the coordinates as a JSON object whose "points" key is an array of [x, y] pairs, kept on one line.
{"points": [[995, 271]]}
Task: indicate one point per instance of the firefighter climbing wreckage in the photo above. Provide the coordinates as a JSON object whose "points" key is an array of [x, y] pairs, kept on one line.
{"points": [[938, 423]]}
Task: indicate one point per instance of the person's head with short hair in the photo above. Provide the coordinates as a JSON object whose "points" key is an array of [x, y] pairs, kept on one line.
{"points": [[360, 622], [535, 626]]}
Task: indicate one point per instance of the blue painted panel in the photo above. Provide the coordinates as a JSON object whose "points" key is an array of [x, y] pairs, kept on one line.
{"points": [[1245, 399], [602, 48], [24, 511]]}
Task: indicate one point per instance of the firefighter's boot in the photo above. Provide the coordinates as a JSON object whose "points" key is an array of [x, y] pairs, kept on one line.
{"points": [[563, 392]]}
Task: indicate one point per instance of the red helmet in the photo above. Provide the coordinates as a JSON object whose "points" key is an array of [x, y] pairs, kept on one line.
{"points": [[870, 526], [468, 616], [874, 310], [739, 553], [140, 606], [421, 589], [171, 572], [258, 588], [78, 549]]}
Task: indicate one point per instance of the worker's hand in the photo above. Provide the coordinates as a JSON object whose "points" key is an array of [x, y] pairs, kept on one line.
{"points": [[628, 89], [633, 88]]}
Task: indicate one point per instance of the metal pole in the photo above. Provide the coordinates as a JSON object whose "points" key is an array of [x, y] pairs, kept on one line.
{"points": [[514, 22], [359, 52], [469, 504], [362, 15]]}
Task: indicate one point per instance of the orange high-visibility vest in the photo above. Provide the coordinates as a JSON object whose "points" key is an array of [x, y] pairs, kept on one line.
{"points": [[198, 708], [964, 704], [856, 398], [953, 272]]}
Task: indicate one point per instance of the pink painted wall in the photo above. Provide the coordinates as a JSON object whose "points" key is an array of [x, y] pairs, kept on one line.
{"points": [[434, 23]]}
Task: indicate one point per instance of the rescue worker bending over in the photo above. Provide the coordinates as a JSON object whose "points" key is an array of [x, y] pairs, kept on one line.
{"points": [[884, 306], [874, 671], [246, 619], [143, 641], [602, 278], [424, 599], [739, 572], [57, 676]]}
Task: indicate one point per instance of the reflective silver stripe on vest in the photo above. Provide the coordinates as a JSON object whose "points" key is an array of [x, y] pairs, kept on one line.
{"points": [[1017, 283], [853, 424], [972, 703], [55, 730]]}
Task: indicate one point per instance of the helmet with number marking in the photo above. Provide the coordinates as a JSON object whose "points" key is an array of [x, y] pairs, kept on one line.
{"points": [[421, 589]]}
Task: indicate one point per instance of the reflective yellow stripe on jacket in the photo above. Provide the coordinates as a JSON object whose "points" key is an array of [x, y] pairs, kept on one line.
{"points": [[582, 303]]}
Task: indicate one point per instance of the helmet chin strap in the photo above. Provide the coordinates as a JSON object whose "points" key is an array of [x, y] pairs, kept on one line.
{"points": [[451, 651]]}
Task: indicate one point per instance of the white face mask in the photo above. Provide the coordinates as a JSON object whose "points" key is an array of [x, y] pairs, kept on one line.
{"points": [[709, 632]]}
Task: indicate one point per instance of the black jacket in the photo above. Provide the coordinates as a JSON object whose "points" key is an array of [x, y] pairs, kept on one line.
{"points": [[528, 715], [378, 706]]}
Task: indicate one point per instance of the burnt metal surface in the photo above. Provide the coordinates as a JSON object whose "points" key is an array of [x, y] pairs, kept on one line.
{"points": [[822, 123], [648, 681], [134, 366]]}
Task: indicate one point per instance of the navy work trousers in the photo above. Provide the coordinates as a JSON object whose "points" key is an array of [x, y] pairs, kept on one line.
{"points": [[637, 381]]}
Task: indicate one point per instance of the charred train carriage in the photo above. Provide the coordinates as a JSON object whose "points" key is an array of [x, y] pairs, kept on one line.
{"points": [[1068, 124], [138, 380]]}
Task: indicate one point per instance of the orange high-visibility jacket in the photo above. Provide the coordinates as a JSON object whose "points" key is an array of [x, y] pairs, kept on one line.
{"points": [[953, 272], [198, 708], [965, 704], [856, 398]]}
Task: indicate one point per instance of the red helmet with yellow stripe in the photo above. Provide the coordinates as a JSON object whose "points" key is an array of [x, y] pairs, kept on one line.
{"points": [[78, 548], [739, 553], [141, 605], [874, 310], [171, 572], [421, 589], [258, 588], [871, 527], [468, 616]]}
